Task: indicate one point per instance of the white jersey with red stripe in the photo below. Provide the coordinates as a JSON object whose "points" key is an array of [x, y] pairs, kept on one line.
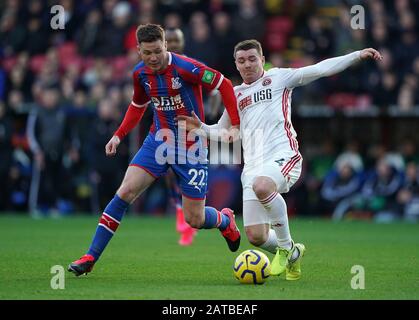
{"points": [[265, 118], [265, 109], [269, 141]]}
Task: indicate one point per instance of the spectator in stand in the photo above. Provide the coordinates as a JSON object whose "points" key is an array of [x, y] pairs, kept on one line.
{"points": [[376, 10], [107, 9], [88, 35], [378, 193], [112, 34], [407, 49], [386, 93], [225, 40], [340, 184], [96, 93], [351, 156], [408, 196], [384, 81], [72, 19], [67, 90], [381, 187], [248, 21], [35, 9], [318, 41], [48, 144], [408, 150], [172, 21], [314, 172], [380, 35], [6, 156], [106, 172], [2, 83], [20, 78], [36, 42], [412, 82], [20, 169], [406, 98], [199, 43], [48, 76], [147, 12], [415, 66], [355, 40], [319, 165], [275, 60], [343, 29], [12, 34], [80, 120]]}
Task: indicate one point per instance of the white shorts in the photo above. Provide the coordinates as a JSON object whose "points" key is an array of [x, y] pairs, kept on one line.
{"points": [[283, 171]]}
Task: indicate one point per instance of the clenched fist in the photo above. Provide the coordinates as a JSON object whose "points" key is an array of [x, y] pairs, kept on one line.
{"points": [[370, 53], [110, 148]]}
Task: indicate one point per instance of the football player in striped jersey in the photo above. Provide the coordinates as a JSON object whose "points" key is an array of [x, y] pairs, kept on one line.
{"points": [[171, 84]]}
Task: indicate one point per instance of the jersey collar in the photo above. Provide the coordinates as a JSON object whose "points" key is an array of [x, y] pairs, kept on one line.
{"points": [[170, 58]]}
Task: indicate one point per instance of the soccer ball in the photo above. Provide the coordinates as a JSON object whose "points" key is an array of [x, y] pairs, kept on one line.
{"points": [[252, 267]]}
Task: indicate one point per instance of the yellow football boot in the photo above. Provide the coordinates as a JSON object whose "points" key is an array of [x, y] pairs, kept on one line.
{"points": [[293, 268]]}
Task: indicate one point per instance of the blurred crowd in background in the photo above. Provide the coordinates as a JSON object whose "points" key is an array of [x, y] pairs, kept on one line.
{"points": [[64, 92]]}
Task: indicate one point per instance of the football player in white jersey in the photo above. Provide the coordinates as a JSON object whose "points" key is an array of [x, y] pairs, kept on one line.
{"points": [[270, 148]]}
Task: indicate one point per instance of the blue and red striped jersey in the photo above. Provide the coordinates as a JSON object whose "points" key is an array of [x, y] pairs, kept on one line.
{"points": [[176, 90]]}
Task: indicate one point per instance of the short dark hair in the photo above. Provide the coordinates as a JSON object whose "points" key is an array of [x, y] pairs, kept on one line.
{"points": [[149, 33], [247, 45]]}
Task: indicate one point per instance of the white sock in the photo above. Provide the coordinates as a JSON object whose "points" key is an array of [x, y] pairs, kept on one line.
{"points": [[277, 208], [272, 243]]}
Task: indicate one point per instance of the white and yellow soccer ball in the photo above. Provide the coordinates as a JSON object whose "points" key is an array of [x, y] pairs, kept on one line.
{"points": [[252, 267]]}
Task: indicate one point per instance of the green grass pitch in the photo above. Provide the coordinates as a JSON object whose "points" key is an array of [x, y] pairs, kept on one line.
{"points": [[144, 261]]}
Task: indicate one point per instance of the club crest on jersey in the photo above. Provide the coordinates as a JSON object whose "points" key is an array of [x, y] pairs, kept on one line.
{"points": [[176, 84], [266, 82]]}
